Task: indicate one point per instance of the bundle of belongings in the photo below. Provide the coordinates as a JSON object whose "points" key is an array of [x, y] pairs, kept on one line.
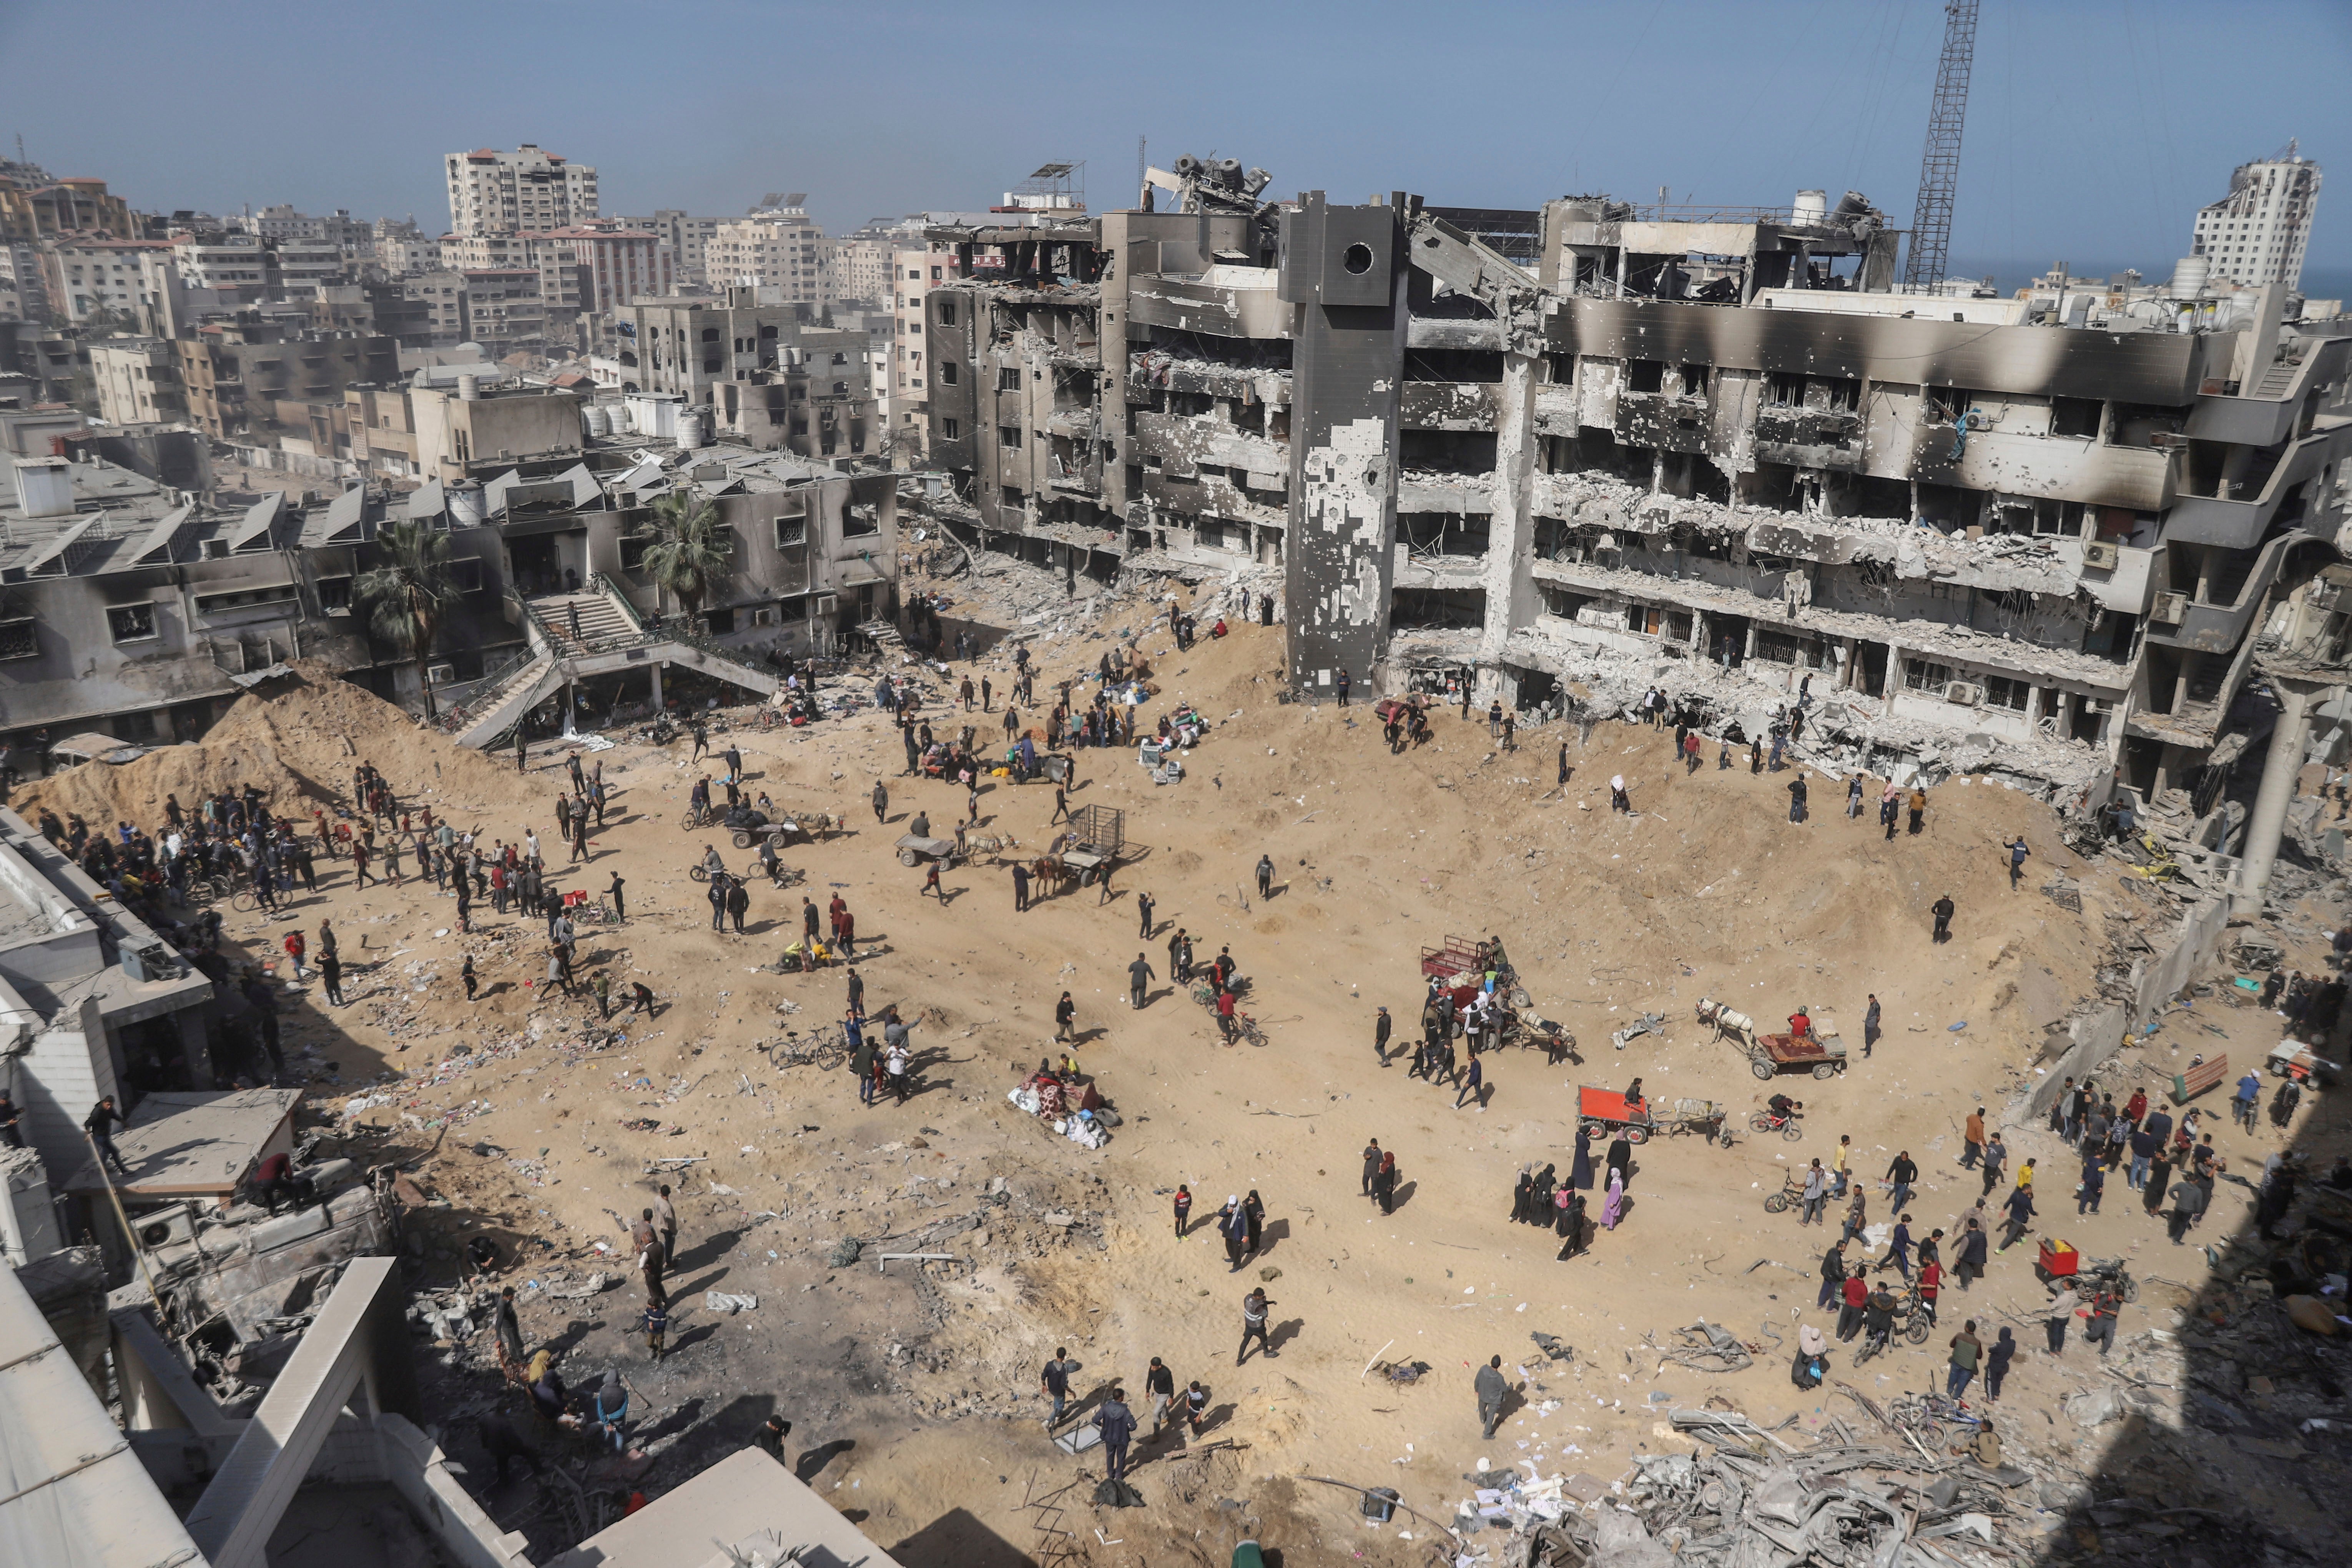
{"points": [[1185, 726], [1067, 1104]]}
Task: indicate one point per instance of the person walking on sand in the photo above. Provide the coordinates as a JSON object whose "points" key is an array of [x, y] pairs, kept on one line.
{"points": [[1942, 909], [1254, 1313], [1380, 1037], [1066, 1013], [1183, 1205], [1918, 807], [1384, 1182], [1371, 1164], [1474, 1084], [1139, 976], [2017, 856], [1232, 1223], [1264, 878], [1492, 1391], [1143, 907]]}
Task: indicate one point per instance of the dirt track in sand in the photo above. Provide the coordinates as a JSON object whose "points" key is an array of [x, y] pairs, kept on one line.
{"points": [[1706, 890]]}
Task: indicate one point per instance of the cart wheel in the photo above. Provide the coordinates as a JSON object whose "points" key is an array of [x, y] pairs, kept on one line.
{"points": [[1595, 1129], [742, 841], [1637, 1136], [906, 856], [1761, 1067], [1824, 1072], [1777, 1204], [1790, 1132]]}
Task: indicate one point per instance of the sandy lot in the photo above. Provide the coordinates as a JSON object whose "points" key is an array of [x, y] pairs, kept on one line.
{"points": [[914, 1389]]}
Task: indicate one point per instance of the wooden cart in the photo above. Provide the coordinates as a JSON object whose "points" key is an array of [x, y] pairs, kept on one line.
{"points": [[1822, 1053]]}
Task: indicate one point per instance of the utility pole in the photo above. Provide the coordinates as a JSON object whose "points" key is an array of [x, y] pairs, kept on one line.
{"points": [[1940, 165], [1142, 168]]}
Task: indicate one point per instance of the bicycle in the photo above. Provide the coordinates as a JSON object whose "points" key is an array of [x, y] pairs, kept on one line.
{"points": [[1764, 1122], [695, 819], [1931, 1417], [1791, 1193], [813, 1051], [1245, 1028]]}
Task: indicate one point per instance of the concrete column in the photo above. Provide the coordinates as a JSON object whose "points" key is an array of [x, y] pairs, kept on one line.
{"points": [[654, 670], [1846, 663], [1893, 675], [1506, 573], [1345, 271], [2281, 764]]}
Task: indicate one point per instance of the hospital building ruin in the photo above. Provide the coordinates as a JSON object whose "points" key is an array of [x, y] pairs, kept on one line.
{"points": [[1711, 451]]}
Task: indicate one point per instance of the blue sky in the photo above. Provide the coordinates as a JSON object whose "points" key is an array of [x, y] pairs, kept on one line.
{"points": [[2094, 128]]}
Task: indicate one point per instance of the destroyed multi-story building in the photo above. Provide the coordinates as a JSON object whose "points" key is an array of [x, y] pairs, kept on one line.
{"points": [[1627, 446]]}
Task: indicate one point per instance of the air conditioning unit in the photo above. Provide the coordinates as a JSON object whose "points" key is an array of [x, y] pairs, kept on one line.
{"points": [[440, 674], [765, 617], [164, 1227], [2100, 556], [826, 604], [1963, 693], [2169, 608]]}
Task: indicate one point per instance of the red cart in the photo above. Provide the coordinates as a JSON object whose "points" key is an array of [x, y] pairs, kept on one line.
{"points": [[1601, 1110]]}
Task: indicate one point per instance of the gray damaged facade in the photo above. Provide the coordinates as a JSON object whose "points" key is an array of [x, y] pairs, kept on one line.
{"points": [[139, 601], [1619, 447]]}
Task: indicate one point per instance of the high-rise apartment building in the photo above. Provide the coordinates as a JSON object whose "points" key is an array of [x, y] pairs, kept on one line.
{"points": [[773, 248], [508, 193], [620, 264], [2257, 233], [684, 236]]}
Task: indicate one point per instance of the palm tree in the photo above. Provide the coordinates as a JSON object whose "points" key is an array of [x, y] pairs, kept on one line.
{"points": [[691, 552], [405, 597]]}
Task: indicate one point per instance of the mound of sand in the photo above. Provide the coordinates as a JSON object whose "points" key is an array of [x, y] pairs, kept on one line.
{"points": [[300, 739]]}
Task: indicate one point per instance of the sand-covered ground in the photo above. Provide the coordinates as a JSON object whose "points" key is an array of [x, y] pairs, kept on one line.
{"points": [[914, 1387]]}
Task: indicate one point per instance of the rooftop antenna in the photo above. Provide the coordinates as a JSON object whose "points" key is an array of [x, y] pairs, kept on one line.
{"points": [[1940, 165]]}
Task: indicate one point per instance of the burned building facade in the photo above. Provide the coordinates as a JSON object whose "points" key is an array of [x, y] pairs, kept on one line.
{"points": [[1625, 448]]}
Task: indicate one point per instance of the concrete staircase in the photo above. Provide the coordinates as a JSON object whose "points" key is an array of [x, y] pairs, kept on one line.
{"points": [[576, 636], [583, 623]]}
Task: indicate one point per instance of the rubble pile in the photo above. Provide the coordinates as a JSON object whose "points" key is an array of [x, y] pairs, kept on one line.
{"points": [[299, 737], [1883, 1497]]}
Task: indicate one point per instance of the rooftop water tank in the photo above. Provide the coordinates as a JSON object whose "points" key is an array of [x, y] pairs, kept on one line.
{"points": [[2188, 275], [597, 421], [690, 429], [466, 507], [1812, 207], [469, 389]]}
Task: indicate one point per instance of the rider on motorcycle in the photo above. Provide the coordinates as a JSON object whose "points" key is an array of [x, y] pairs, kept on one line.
{"points": [[1877, 1320], [710, 860]]}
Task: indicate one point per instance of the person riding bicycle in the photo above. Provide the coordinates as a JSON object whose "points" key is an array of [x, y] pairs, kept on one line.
{"points": [[1782, 1107], [700, 799], [768, 858], [711, 861]]}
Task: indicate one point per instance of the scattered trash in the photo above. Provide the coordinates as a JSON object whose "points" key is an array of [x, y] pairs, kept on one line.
{"points": [[720, 1302]]}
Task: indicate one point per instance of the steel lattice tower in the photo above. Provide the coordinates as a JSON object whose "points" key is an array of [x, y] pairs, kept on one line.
{"points": [[1939, 166]]}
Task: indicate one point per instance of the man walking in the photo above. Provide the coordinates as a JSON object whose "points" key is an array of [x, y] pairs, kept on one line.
{"points": [[1254, 1310], [1065, 1012], [1973, 1136], [1942, 909], [1380, 1037], [1832, 1276], [1492, 1391], [1903, 1172], [1473, 1083], [881, 803], [1020, 887], [1264, 878], [1371, 1164], [1055, 1383], [1143, 908], [1160, 1388], [1138, 975], [2017, 857], [100, 1124], [1870, 1026], [1996, 1155], [1118, 1425]]}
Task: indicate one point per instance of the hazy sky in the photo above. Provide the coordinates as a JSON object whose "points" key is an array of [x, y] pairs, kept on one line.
{"points": [[2095, 127]]}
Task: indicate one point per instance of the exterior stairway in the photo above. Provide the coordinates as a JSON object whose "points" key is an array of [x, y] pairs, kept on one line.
{"points": [[583, 623], [576, 636]]}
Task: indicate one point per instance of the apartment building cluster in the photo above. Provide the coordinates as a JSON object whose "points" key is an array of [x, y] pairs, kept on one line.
{"points": [[1622, 447]]}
